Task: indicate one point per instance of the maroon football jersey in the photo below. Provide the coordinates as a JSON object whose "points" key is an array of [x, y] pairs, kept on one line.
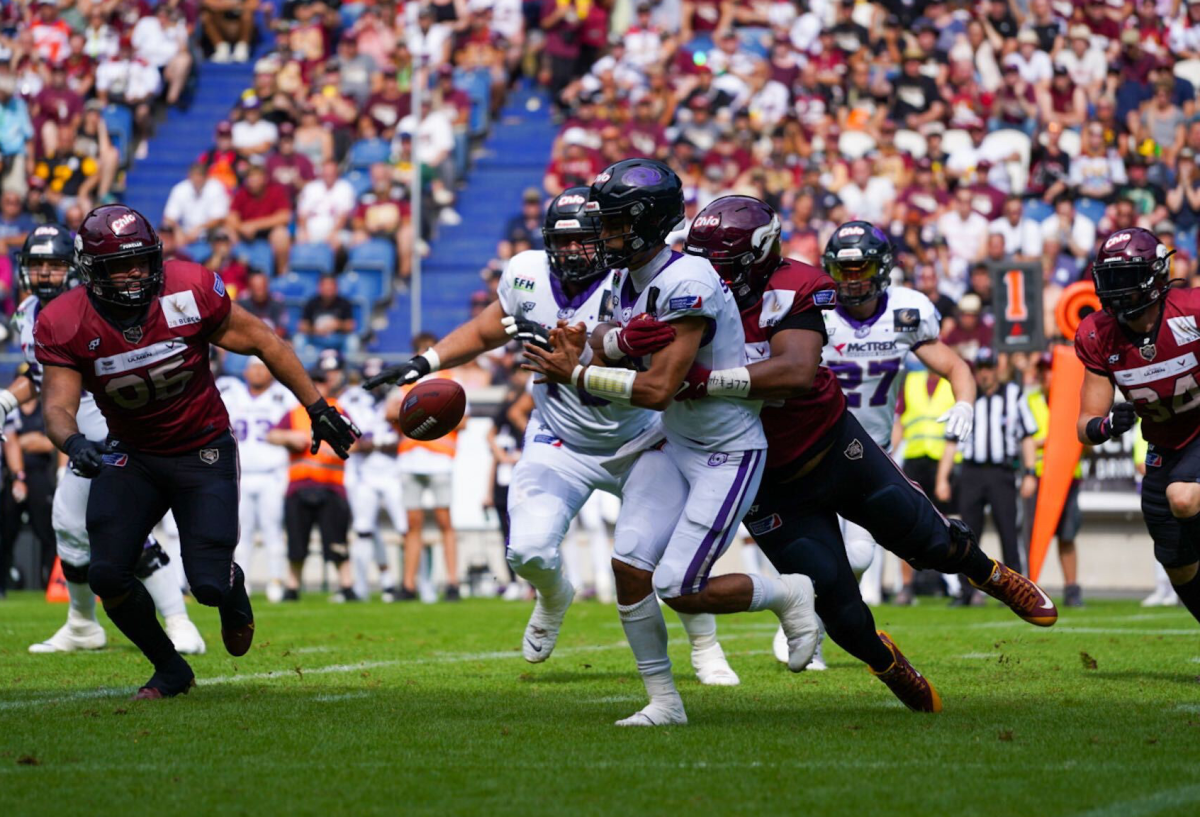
{"points": [[152, 382], [793, 426], [1159, 378]]}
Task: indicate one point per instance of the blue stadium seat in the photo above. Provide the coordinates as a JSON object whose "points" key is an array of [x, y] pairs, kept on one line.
{"points": [[233, 364], [256, 254], [1186, 242], [1038, 210], [478, 85], [295, 287], [367, 285], [360, 180], [119, 121], [1091, 208], [316, 258], [376, 254], [367, 152], [199, 251]]}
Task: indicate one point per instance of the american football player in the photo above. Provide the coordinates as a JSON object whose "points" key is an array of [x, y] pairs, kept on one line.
{"points": [[1145, 342], [136, 335], [47, 270]]}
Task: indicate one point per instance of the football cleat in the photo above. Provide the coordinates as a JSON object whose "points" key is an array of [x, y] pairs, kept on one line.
{"points": [[799, 621], [76, 634], [712, 669], [156, 689], [238, 639], [779, 646], [541, 634], [911, 687], [660, 712], [1022, 596], [817, 664], [184, 635], [275, 591]]}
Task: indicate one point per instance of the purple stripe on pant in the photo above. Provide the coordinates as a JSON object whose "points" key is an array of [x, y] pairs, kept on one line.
{"points": [[693, 581]]}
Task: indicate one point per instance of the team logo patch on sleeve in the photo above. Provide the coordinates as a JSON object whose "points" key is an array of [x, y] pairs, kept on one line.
{"points": [[180, 309], [1184, 329], [218, 285], [1153, 460], [907, 320], [825, 297], [685, 302]]}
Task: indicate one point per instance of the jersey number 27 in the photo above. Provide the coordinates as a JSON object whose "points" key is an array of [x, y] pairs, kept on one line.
{"points": [[850, 377]]}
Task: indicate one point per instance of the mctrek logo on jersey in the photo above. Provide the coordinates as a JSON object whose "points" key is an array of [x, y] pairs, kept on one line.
{"points": [[180, 309], [870, 348]]}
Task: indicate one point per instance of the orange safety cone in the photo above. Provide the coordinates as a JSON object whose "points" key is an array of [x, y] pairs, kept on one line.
{"points": [[56, 590]]}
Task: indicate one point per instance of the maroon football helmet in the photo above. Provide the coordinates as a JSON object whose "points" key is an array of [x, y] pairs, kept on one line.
{"points": [[739, 235], [112, 239], [1130, 272]]}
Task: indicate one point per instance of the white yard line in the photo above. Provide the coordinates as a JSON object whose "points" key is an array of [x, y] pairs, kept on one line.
{"points": [[1150, 804]]}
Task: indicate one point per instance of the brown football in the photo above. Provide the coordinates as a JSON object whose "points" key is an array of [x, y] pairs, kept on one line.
{"points": [[432, 409]]}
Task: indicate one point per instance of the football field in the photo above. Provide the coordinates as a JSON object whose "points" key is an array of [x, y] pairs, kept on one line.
{"points": [[415, 709]]}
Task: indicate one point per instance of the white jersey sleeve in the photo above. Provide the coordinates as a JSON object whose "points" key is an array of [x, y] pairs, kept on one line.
{"points": [[868, 355]]}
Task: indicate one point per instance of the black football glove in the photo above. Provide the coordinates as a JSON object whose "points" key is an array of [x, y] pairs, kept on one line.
{"points": [[329, 425], [525, 331], [405, 373], [87, 457], [1121, 419]]}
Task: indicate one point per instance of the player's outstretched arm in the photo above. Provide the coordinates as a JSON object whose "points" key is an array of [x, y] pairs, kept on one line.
{"points": [[1099, 420], [61, 389], [483, 332], [788, 372], [245, 334], [945, 362], [21, 389]]}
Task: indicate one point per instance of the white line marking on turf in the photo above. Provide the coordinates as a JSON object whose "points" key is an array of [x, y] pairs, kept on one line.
{"points": [[981, 656], [312, 649], [343, 697], [1152, 804]]}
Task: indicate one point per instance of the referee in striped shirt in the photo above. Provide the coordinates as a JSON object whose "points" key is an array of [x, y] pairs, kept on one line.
{"points": [[1000, 445]]}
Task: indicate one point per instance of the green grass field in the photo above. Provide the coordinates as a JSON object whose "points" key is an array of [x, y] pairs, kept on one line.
{"points": [[414, 709]]}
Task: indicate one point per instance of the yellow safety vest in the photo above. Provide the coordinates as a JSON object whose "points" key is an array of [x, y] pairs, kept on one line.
{"points": [[1041, 413], [924, 436]]}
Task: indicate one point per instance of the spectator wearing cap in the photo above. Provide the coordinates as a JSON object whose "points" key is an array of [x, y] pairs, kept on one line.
{"points": [[223, 262], [1074, 232], [228, 25], [359, 72], [258, 299], [1030, 60], [286, 166], [1022, 235], [917, 101], [252, 134], [576, 164], [923, 200], [1098, 170], [323, 209], [312, 139], [972, 330], [729, 60], [429, 41], [388, 105], [1014, 104], [1061, 103], [133, 82], [261, 211], [374, 37], [646, 135], [196, 205], [49, 33], [1084, 63], [434, 148], [1148, 197], [965, 233], [646, 45], [384, 212], [1049, 168], [56, 110], [161, 40], [327, 321], [220, 161]]}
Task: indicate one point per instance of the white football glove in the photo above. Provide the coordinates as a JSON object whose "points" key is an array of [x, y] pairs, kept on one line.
{"points": [[959, 420]]}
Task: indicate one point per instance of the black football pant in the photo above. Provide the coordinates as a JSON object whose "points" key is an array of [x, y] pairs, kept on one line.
{"points": [[794, 521], [328, 511], [1176, 541], [981, 486]]}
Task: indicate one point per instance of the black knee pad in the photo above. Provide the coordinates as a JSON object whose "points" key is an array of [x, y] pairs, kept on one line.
{"points": [[152, 559], [1172, 548], [75, 574], [108, 581], [208, 594]]}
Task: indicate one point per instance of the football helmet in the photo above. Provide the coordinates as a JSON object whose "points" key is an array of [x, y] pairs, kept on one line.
{"points": [[111, 239], [47, 243], [639, 202], [570, 235], [859, 257], [739, 235], [1130, 272]]}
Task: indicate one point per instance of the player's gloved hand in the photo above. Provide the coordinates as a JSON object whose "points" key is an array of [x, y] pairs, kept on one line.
{"points": [[87, 457], [525, 331], [1119, 420], [643, 335], [959, 420], [405, 373], [329, 425], [695, 385]]}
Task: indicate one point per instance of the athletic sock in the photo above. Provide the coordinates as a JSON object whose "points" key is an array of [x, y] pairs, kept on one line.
{"points": [[1189, 594], [752, 558], [701, 629], [235, 608], [135, 617], [769, 594], [168, 598], [82, 602], [646, 631]]}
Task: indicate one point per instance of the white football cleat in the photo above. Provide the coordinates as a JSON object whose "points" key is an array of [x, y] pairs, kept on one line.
{"points": [[660, 712], [799, 621], [712, 669], [779, 646], [76, 634], [274, 591], [1155, 599], [185, 636], [817, 663], [541, 634]]}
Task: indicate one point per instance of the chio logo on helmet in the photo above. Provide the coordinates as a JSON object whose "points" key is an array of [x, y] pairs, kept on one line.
{"points": [[1117, 240], [571, 200], [707, 221], [119, 225]]}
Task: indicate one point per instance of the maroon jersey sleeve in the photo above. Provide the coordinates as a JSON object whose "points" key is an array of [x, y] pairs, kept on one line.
{"points": [[51, 338], [1087, 346], [795, 296]]}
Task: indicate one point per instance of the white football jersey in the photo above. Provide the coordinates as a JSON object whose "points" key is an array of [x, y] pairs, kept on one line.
{"points": [[251, 417], [89, 419], [582, 421], [675, 286], [868, 356]]}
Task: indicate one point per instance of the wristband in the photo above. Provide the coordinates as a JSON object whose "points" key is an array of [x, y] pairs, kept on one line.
{"points": [[729, 382], [433, 359], [1097, 430], [612, 345], [19, 476], [8, 401], [586, 356], [610, 383], [1031, 472], [575, 374]]}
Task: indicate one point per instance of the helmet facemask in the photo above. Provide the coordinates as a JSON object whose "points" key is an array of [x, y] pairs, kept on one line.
{"points": [[571, 250], [37, 276], [859, 279], [1127, 288], [98, 274]]}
